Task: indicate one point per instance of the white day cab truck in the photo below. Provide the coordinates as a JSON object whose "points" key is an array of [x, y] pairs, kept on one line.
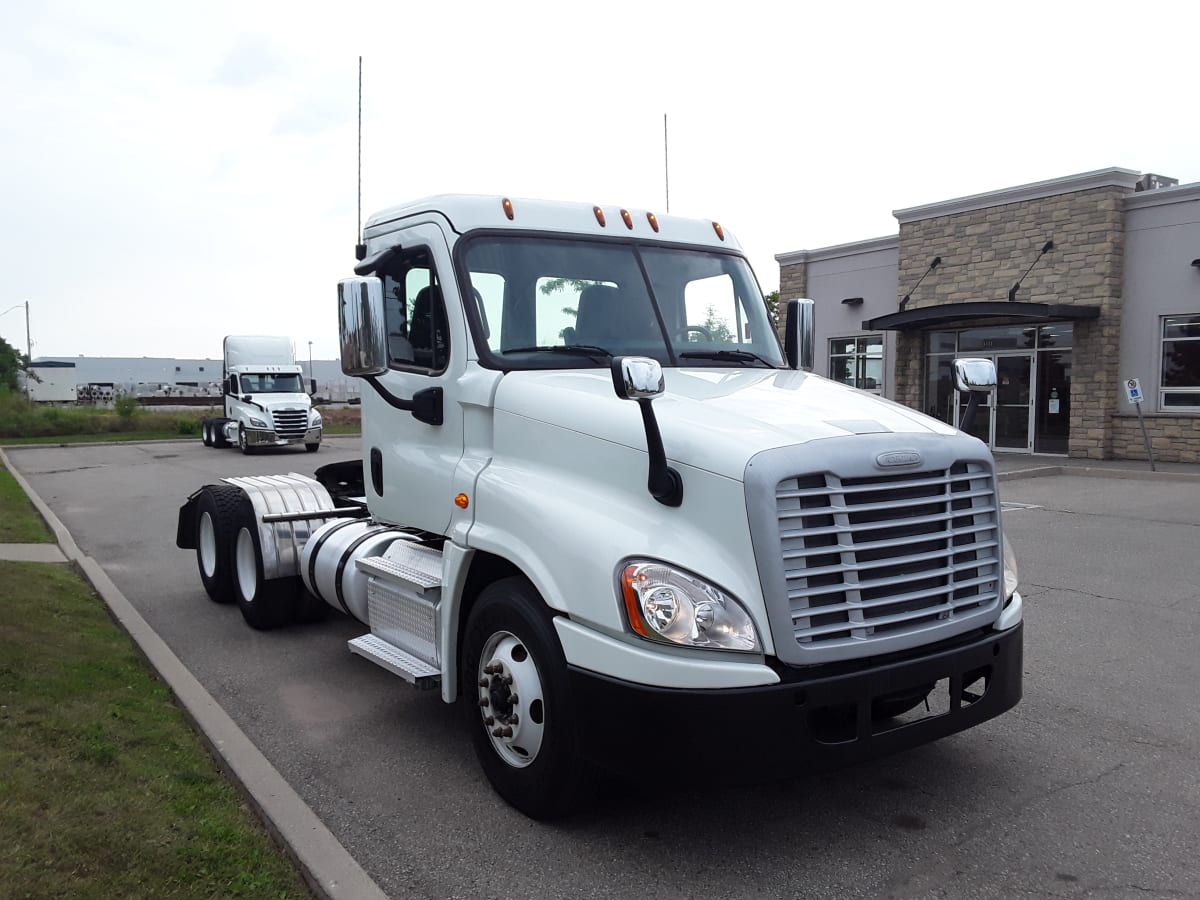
{"points": [[601, 508], [266, 404]]}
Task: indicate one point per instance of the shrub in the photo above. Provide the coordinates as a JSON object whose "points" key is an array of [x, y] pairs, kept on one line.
{"points": [[126, 406], [189, 427]]}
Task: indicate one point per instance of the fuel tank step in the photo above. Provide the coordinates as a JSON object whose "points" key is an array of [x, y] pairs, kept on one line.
{"points": [[396, 661]]}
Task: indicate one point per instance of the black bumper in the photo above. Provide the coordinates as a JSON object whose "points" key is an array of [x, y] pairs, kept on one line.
{"points": [[814, 721]]}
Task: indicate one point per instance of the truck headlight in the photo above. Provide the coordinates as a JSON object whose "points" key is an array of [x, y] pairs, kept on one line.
{"points": [[257, 423], [314, 419], [1010, 570], [669, 605]]}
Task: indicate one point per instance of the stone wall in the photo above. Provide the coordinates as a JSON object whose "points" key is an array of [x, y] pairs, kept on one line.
{"points": [[793, 284], [1174, 438], [985, 251]]}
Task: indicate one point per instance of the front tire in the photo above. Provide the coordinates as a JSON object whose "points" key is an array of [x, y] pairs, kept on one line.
{"points": [[264, 604], [517, 702], [243, 443], [216, 521], [312, 448]]}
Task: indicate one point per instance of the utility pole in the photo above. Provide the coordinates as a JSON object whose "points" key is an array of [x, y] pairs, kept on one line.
{"points": [[312, 381], [28, 355]]}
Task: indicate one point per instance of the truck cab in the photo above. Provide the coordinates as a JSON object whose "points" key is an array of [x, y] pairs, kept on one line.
{"points": [[607, 510]]}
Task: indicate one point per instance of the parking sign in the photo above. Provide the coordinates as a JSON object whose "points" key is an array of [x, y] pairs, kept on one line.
{"points": [[1133, 390]]}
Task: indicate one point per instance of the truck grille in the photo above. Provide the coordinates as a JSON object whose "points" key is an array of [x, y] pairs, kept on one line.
{"points": [[880, 557], [290, 423]]}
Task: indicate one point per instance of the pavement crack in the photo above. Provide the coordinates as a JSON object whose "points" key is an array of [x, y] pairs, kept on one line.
{"points": [[1123, 518]]}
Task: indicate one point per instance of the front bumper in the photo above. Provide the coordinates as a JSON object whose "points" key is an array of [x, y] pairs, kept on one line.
{"points": [[809, 722], [256, 437]]}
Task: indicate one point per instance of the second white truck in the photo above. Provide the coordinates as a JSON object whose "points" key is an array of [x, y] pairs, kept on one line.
{"points": [[266, 404]]}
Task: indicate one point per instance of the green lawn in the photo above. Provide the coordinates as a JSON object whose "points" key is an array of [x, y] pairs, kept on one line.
{"points": [[105, 790], [19, 521]]}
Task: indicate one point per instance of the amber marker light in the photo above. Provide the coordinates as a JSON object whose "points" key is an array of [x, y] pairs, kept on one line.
{"points": [[599, 215], [508, 210], [627, 218], [462, 501], [653, 220], [716, 227], [633, 609]]}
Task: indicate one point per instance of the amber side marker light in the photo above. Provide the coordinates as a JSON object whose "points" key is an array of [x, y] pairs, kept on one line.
{"points": [[599, 215], [462, 501], [628, 219], [716, 227], [508, 210], [633, 609], [653, 220]]}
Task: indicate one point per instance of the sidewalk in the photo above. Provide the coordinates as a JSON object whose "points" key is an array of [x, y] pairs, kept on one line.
{"points": [[32, 553], [1029, 465]]}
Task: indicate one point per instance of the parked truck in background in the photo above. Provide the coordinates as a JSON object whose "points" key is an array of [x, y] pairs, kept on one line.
{"points": [[266, 404], [604, 510]]}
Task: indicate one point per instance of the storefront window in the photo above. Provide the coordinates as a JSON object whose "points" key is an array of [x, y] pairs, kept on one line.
{"points": [[1179, 386], [857, 361]]}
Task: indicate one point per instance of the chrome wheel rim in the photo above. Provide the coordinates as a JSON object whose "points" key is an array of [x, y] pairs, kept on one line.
{"points": [[247, 565], [510, 697], [208, 546]]}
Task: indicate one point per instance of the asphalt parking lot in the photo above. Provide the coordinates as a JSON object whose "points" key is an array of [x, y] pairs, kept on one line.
{"points": [[1090, 787]]}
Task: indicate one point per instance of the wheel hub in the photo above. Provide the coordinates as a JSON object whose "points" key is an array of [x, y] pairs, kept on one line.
{"points": [[510, 699]]}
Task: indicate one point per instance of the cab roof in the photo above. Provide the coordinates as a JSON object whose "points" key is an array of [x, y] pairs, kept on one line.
{"points": [[468, 212]]}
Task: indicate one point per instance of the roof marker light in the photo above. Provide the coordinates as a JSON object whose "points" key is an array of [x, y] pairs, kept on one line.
{"points": [[718, 229], [628, 219], [653, 220], [599, 215], [508, 210]]}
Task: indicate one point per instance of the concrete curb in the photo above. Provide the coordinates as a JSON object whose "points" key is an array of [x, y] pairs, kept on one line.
{"points": [[325, 864], [1097, 472]]}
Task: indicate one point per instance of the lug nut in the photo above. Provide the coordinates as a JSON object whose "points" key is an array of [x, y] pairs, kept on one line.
{"points": [[483, 682], [512, 698], [513, 720], [497, 731], [506, 732], [489, 721], [508, 679], [484, 702]]}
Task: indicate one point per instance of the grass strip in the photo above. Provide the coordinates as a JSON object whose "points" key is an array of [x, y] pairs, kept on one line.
{"points": [[19, 521], [105, 789]]}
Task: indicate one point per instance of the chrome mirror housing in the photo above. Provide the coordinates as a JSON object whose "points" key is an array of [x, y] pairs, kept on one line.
{"points": [[637, 377], [974, 374], [361, 326]]}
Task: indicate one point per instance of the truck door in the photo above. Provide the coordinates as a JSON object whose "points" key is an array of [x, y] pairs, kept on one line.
{"points": [[409, 463]]}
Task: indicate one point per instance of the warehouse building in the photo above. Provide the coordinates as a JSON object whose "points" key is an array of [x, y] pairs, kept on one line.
{"points": [[1072, 286]]}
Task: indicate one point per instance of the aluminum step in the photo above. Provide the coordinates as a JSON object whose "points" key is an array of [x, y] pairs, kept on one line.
{"points": [[396, 661], [408, 564]]}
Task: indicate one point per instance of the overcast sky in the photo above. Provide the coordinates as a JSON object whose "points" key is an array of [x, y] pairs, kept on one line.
{"points": [[172, 173]]}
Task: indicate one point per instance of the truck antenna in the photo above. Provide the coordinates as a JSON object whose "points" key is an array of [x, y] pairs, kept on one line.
{"points": [[360, 249], [666, 164]]}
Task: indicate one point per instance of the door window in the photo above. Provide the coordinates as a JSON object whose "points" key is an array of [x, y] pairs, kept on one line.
{"points": [[415, 314]]}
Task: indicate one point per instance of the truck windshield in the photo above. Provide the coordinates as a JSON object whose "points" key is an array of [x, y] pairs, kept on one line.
{"points": [[272, 383], [562, 303]]}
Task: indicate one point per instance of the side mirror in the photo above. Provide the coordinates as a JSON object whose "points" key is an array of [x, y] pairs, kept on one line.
{"points": [[974, 374], [640, 379], [362, 327], [799, 334], [637, 377]]}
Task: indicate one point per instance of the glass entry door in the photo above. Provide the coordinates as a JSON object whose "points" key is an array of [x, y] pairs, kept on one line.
{"points": [[1003, 418]]}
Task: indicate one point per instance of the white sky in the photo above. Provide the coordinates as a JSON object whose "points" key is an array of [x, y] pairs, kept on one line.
{"points": [[172, 173]]}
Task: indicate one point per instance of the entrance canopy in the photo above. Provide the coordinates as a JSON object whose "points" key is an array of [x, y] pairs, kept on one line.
{"points": [[966, 313]]}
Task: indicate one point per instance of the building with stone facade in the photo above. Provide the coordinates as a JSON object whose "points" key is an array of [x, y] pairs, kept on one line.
{"points": [[1072, 286]]}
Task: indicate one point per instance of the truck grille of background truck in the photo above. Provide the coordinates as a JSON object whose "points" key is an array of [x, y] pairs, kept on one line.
{"points": [[290, 423], [871, 558]]}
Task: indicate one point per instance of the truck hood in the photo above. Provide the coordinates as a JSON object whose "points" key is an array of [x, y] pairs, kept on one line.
{"points": [[282, 401], [711, 418]]}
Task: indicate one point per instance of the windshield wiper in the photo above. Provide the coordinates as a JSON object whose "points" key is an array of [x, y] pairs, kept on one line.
{"points": [[744, 356], [589, 350]]}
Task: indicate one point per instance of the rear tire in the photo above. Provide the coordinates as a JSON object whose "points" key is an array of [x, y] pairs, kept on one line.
{"points": [[510, 644], [264, 604], [205, 433], [216, 517], [217, 433]]}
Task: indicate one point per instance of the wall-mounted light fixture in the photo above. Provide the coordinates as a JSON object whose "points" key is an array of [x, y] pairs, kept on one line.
{"points": [[853, 301], [1196, 263]]}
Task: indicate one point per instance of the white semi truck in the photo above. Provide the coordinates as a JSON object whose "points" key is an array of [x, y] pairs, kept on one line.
{"points": [[266, 404], [604, 510]]}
